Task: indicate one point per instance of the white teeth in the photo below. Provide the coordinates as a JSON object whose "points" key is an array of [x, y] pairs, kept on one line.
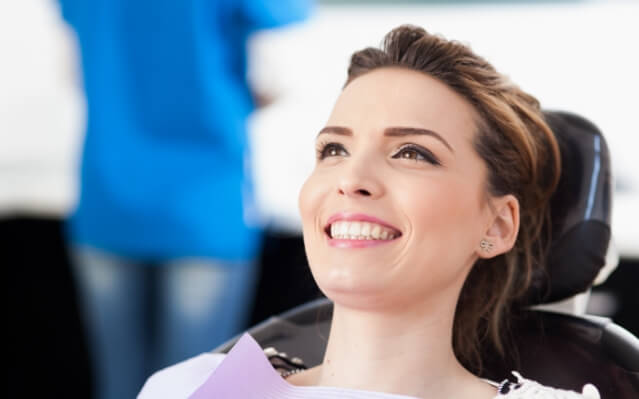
{"points": [[354, 229], [375, 233], [366, 229], [361, 231], [343, 228]]}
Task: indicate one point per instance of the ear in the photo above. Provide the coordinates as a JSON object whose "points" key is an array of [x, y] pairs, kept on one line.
{"points": [[501, 233]]}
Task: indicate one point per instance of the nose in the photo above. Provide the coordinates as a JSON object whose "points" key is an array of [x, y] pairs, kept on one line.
{"points": [[359, 180]]}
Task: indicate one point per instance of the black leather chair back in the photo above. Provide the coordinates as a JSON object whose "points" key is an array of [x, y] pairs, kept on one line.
{"points": [[580, 211]]}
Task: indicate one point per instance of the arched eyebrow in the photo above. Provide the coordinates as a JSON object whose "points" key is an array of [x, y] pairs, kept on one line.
{"points": [[340, 130], [390, 132], [415, 131]]}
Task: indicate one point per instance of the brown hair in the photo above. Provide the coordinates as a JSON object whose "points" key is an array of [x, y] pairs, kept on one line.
{"points": [[522, 159]]}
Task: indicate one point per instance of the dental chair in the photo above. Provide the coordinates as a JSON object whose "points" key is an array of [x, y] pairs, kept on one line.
{"points": [[556, 349]]}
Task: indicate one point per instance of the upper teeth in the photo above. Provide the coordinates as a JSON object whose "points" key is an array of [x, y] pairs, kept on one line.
{"points": [[361, 231]]}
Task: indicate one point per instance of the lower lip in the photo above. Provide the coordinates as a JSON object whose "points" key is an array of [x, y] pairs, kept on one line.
{"points": [[337, 243]]}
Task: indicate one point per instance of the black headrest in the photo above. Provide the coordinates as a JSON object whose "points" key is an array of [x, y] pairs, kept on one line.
{"points": [[580, 211]]}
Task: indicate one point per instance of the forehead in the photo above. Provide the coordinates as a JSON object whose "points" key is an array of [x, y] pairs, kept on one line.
{"points": [[402, 97]]}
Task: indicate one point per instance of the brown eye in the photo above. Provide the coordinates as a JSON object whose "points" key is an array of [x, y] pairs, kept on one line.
{"points": [[411, 154], [332, 150], [416, 153]]}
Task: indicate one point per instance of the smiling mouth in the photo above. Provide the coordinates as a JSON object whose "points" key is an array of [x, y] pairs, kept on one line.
{"points": [[359, 230]]}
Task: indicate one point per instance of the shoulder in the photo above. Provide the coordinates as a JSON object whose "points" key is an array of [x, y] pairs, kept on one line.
{"points": [[524, 388], [181, 379]]}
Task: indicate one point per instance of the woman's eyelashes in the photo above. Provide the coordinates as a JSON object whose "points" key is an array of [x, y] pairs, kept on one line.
{"points": [[416, 153], [411, 152], [325, 150]]}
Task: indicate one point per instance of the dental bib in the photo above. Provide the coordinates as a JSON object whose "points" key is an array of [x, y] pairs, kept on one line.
{"points": [[246, 373]]}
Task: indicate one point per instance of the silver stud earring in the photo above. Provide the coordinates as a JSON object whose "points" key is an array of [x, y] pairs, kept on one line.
{"points": [[486, 245]]}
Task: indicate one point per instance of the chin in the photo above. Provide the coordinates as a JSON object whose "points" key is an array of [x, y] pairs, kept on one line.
{"points": [[357, 301], [352, 290]]}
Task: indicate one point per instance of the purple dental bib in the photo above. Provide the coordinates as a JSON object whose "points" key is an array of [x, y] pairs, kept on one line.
{"points": [[246, 373]]}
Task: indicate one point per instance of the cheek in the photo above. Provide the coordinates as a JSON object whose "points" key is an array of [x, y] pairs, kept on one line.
{"points": [[303, 200], [312, 198], [444, 219], [309, 200], [443, 206]]}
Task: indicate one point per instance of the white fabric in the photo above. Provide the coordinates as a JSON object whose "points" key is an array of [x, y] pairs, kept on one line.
{"points": [[528, 389], [182, 379], [41, 110]]}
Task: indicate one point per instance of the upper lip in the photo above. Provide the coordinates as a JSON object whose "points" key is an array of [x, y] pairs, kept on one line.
{"points": [[360, 217]]}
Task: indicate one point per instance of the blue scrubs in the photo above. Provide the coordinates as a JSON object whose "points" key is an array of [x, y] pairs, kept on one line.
{"points": [[163, 171]]}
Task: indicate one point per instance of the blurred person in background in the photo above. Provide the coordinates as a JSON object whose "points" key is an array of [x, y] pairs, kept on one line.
{"points": [[165, 235]]}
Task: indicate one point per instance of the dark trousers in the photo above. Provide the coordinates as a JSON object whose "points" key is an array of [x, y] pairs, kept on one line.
{"points": [[45, 340]]}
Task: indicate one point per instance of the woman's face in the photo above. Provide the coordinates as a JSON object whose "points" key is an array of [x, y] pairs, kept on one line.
{"points": [[394, 211]]}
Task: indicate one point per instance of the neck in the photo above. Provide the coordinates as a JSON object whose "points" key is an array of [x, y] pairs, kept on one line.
{"points": [[405, 352]]}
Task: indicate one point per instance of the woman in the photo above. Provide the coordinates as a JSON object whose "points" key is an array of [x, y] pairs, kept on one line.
{"points": [[423, 221]]}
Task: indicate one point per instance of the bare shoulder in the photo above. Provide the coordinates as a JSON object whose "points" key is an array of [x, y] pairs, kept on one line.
{"points": [[181, 379]]}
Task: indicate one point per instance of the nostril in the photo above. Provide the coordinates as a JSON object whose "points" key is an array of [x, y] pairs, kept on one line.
{"points": [[348, 191]]}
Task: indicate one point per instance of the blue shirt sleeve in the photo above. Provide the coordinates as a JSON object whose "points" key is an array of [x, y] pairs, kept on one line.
{"points": [[266, 14], [68, 9]]}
